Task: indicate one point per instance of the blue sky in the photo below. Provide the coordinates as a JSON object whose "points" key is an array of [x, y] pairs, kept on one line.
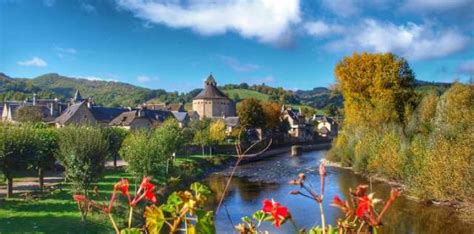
{"points": [[175, 44]]}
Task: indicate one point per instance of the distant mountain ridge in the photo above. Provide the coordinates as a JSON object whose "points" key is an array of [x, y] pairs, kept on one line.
{"points": [[111, 93]]}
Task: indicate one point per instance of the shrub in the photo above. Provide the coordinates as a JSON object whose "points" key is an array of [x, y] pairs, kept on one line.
{"points": [[115, 138], [140, 150], [45, 143], [82, 152], [15, 149]]}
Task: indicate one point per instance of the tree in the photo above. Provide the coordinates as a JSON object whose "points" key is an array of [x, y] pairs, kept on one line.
{"points": [[115, 138], [151, 152], [141, 152], [378, 84], [217, 133], [272, 114], [82, 152], [30, 114], [201, 133], [170, 139], [45, 143], [251, 114], [236, 97], [15, 147]]}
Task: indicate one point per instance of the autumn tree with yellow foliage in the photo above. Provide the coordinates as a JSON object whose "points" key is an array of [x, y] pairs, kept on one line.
{"points": [[424, 141]]}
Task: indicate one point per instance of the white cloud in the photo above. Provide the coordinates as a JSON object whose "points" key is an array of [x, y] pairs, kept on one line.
{"points": [[88, 8], [266, 20], [436, 5], [259, 80], [49, 3], [96, 78], [147, 79], [410, 40], [143, 79], [237, 66], [34, 62], [320, 28], [467, 67], [66, 50]]}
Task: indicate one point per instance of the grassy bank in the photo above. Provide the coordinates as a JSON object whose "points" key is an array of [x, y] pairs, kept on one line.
{"points": [[56, 212]]}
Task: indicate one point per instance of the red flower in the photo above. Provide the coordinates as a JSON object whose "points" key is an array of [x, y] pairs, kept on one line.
{"points": [[148, 189], [122, 186], [363, 206], [366, 204], [278, 212], [79, 198], [337, 201]]}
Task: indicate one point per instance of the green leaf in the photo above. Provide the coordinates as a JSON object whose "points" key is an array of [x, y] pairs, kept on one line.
{"points": [[172, 203], [205, 222], [154, 219], [316, 230], [260, 216], [200, 188], [246, 219], [131, 231]]}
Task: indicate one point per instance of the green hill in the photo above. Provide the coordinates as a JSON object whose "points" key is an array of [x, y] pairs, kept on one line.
{"points": [[239, 94]]}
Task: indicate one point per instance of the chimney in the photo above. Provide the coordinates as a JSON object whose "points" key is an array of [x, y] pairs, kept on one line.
{"points": [[51, 109]]}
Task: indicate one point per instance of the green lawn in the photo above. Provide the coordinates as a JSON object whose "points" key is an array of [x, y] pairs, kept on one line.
{"points": [[57, 212]]}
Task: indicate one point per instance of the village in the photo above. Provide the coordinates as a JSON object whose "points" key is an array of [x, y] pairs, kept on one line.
{"points": [[211, 103]]}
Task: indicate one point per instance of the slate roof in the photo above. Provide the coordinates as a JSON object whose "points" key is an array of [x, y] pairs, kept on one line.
{"points": [[180, 116], [105, 114], [126, 118], [232, 121], [210, 90], [68, 113]]}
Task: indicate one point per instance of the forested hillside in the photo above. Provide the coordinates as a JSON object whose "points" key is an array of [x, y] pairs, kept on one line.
{"points": [[110, 93]]}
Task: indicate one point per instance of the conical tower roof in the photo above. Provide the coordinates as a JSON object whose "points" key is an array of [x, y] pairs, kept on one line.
{"points": [[77, 96], [210, 90]]}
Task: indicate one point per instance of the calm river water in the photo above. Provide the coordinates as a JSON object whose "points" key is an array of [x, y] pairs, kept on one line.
{"points": [[269, 179]]}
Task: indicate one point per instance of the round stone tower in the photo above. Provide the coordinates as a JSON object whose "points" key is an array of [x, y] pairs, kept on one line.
{"points": [[211, 102]]}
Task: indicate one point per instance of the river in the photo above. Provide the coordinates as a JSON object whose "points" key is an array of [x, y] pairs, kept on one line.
{"points": [[269, 178]]}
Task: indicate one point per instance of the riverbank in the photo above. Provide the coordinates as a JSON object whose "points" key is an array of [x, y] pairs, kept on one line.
{"points": [[465, 209]]}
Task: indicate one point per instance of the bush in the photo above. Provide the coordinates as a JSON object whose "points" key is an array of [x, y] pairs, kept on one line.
{"points": [[45, 145], [15, 150], [82, 152]]}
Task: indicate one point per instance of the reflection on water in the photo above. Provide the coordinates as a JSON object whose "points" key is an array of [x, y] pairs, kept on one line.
{"points": [[269, 179]]}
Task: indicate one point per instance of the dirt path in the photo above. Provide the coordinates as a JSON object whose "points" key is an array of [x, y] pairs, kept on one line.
{"points": [[31, 184]]}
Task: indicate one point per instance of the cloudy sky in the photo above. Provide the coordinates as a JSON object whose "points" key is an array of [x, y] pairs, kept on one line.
{"points": [[175, 44]]}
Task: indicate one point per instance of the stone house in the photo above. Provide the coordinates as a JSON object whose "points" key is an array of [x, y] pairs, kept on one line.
{"points": [[48, 108], [326, 126], [85, 112], [300, 129], [141, 119], [211, 102]]}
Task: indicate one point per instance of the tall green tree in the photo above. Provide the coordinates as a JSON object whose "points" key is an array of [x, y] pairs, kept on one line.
{"points": [[115, 138], [201, 133], [15, 149], [45, 143], [251, 114], [170, 139]]}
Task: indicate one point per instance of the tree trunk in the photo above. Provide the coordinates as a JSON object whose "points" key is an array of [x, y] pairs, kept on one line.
{"points": [[41, 179], [115, 160], [210, 150], [202, 148], [9, 187]]}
